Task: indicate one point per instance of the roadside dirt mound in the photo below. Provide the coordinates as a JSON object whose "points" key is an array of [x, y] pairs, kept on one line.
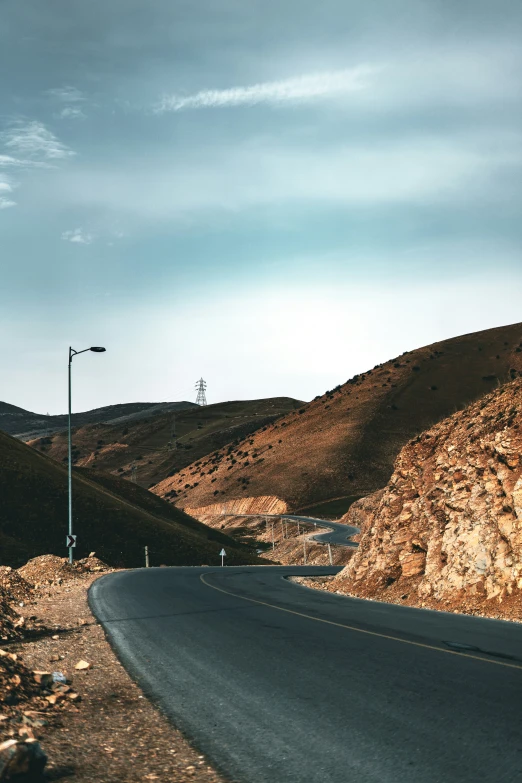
{"points": [[48, 569], [13, 584], [11, 626], [447, 530], [17, 682], [345, 442]]}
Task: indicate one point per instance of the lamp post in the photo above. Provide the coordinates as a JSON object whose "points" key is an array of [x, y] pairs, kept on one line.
{"points": [[70, 539]]}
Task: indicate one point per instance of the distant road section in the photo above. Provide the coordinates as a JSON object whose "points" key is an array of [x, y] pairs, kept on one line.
{"points": [[340, 534], [277, 683]]}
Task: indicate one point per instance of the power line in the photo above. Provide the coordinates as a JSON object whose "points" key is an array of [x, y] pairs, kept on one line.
{"points": [[201, 387]]}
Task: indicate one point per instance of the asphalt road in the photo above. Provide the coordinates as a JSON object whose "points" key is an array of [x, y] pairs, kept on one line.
{"points": [[338, 535], [277, 683]]}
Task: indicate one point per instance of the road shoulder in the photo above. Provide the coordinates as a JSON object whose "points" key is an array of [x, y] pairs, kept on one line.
{"points": [[114, 734]]}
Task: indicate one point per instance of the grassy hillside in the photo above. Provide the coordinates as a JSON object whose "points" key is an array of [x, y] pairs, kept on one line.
{"points": [[154, 447], [111, 517], [343, 444]]}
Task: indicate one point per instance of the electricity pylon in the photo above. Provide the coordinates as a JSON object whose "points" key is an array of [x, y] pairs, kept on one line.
{"points": [[201, 387]]}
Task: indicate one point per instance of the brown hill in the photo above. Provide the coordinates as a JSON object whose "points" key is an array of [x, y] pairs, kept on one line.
{"points": [[447, 531], [112, 517], [343, 444], [151, 448], [26, 425]]}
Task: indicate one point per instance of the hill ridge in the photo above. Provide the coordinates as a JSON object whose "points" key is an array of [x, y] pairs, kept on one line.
{"points": [[344, 442]]}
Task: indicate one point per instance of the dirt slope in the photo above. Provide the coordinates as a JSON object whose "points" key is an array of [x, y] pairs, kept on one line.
{"points": [[111, 516], [447, 531], [151, 448], [343, 444]]}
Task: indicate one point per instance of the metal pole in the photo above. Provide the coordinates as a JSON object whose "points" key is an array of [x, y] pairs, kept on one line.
{"points": [[298, 531], [273, 541], [330, 553], [282, 530], [304, 550], [70, 461], [147, 557]]}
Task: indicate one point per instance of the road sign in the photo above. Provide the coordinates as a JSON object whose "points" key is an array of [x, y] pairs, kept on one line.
{"points": [[71, 541], [222, 555]]}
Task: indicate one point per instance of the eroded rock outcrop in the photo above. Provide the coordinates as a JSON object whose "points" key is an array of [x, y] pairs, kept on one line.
{"points": [[264, 504], [448, 527]]}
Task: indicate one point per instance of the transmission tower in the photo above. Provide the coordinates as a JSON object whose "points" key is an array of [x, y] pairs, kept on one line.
{"points": [[201, 387]]}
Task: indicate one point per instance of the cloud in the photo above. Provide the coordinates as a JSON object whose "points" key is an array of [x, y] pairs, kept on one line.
{"points": [[7, 161], [66, 94], [78, 236], [416, 170], [296, 90], [5, 201], [34, 139], [71, 113]]}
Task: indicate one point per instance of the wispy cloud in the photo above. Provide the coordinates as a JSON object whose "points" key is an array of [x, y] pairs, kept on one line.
{"points": [[35, 140], [7, 161], [66, 94], [78, 236], [71, 113], [296, 90], [6, 202]]}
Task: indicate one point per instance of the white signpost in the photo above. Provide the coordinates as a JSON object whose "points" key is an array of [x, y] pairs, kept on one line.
{"points": [[222, 555], [71, 541]]}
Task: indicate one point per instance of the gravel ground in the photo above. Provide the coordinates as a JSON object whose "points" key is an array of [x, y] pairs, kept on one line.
{"points": [[114, 733]]}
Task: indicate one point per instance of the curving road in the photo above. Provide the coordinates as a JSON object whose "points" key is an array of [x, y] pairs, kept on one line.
{"points": [[277, 683], [338, 535]]}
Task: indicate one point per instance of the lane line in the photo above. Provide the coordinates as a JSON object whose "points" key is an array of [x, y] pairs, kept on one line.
{"points": [[361, 630]]}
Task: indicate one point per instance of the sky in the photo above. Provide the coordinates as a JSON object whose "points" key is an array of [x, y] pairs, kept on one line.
{"points": [[273, 196]]}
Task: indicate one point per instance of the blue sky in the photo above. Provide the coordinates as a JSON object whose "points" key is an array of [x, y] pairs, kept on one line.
{"points": [[272, 195]]}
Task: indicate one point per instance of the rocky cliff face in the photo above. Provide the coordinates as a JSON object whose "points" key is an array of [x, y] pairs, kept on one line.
{"points": [[447, 530]]}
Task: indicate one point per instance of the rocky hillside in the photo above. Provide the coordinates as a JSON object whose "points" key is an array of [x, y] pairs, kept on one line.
{"points": [[447, 530], [343, 444]]}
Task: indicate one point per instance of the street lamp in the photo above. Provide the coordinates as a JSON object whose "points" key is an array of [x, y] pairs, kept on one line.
{"points": [[71, 540]]}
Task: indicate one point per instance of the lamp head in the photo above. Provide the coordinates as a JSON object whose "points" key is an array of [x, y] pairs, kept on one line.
{"points": [[97, 350]]}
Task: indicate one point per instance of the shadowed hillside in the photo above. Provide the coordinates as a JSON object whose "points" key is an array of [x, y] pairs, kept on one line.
{"points": [[111, 517], [343, 443]]}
